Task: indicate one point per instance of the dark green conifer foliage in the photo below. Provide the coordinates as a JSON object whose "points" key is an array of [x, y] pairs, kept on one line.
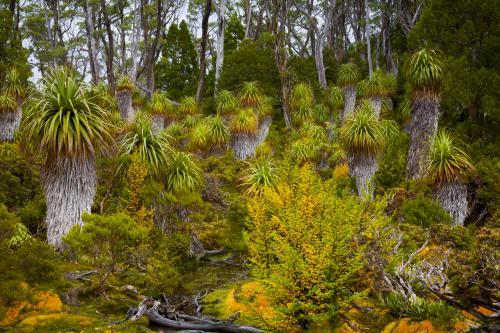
{"points": [[234, 34], [177, 71]]}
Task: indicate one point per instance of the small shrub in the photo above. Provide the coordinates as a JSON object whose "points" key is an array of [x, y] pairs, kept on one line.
{"points": [[423, 211]]}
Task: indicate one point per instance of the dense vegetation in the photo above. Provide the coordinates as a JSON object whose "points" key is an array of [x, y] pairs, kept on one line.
{"points": [[277, 165]]}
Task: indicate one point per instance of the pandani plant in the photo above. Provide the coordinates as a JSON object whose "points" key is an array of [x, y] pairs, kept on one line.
{"points": [[124, 90], [424, 72], [362, 136], [69, 129], [188, 106], [302, 103], [182, 173], [380, 86], [348, 77], [448, 168], [259, 176], [226, 102], [250, 94], [162, 111], [244, 127], [10, 118]]}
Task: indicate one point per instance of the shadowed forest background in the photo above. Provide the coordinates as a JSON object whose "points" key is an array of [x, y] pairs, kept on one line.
{"points": [[249, 166]]}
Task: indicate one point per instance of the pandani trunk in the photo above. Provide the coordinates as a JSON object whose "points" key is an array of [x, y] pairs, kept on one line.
{"points": [[349, 100], [124, 98], [69, 185], [9, 123], [453, 198]]}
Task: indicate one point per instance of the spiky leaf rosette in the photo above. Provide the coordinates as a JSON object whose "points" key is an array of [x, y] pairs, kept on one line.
{"points": [[321, 113], [390, 129], [362, 132], [182, 173], [245, 121], [335, 97], [425, 71], [102, 97], [125, 83], [260, 176], [161, 105], [200, 135], [175, 130], [250, 94], [381, 84], [226, 102], [138, 99], [63, 122], [303, 114], [219, 133], [266, 107], [7, 103], [190, 121], [13, 84], [447, 161], [189, 105], [348, 75], [152, 149], [313, 132], [302, 96], [405, 109], [305, 150]]}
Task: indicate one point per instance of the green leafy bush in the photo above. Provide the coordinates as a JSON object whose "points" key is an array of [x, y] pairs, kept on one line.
{"points": [[423, 211]]}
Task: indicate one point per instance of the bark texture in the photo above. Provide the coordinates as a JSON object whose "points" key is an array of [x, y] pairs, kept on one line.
{"points": [[69, 185], [376, 102], [349, 100], [364, 167], [244, 145], [9, 123], [157, 122], [422, 128], [124, 98], [453, 198]]}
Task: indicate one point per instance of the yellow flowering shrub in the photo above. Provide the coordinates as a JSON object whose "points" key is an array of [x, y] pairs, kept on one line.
{"points": [[307, 245]]}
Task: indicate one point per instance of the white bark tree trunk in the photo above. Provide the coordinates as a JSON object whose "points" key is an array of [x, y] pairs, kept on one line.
{"points": [[349, 100], [367, 35], [221, 22], [69, 185], [453, 198], [91, 42]]}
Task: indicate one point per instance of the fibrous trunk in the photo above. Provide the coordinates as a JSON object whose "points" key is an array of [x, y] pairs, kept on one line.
{"points": [[69, 185], [124, 98], [453, 198], [364, 167], [349, 101], [244, 144], [376, 102], [158, 123], [422, 128], [9, 122]]}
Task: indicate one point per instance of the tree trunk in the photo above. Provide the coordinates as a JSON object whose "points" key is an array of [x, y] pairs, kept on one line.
{"points": [[69, 185], [349, 100], [243, 145], [367, 35], [124, 98], [157, 123], [248, 17], [453, 198], [376, 102], [364, 167], [203, 51], [110, 46], [423, 126], [91, 42], [220, 42], [9, 123]]}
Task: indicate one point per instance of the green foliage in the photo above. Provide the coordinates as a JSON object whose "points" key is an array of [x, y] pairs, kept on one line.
{"points": [[252, 61], [250, 94], [392, 164], [335, 97], [125, 83], [425, 71], [348, 75], [245, 121], [182, 173], [226, 102], [7, 103], [303, 246], [108, 243], [259, 176], [423, 211], [152, 149], [219, 133], [63, 121], [447, 162], [161, 105], [200, 135], [420, 309], [362, 131], [381, 84], [188, 106], [177, 70], [233, 35]]}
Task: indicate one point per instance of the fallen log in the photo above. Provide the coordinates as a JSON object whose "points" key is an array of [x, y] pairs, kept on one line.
{"points": [[189, 323]]}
